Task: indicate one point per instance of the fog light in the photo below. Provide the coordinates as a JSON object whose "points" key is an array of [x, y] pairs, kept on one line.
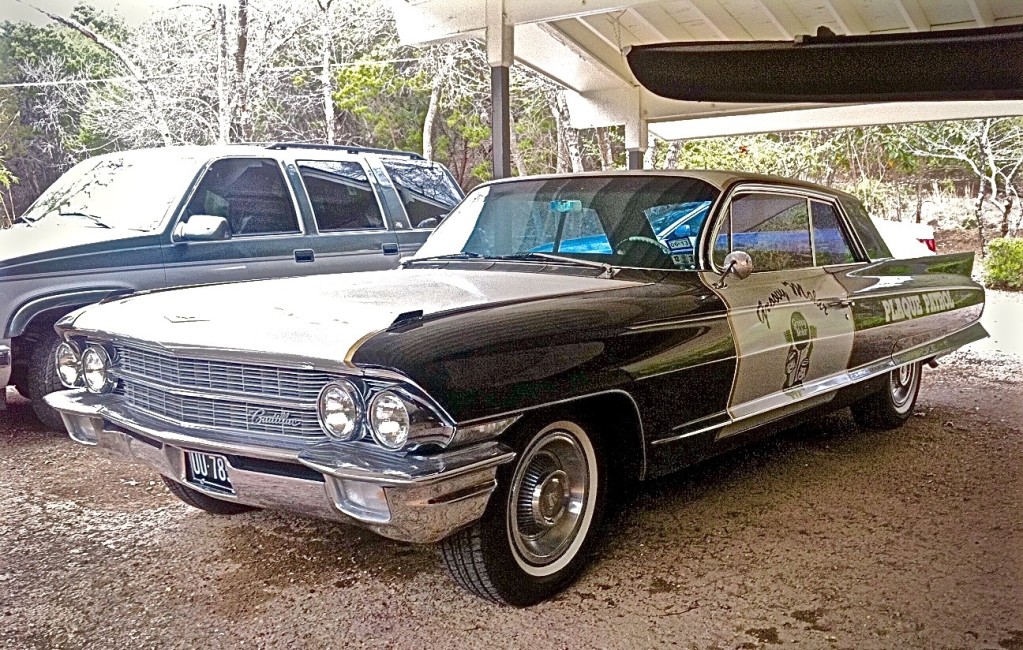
{"points": [[96, 369], [69, 366], [389, 419], [364, 501]]}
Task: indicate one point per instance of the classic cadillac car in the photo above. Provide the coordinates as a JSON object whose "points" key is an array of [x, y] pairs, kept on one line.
{"points": [[553, 335]]}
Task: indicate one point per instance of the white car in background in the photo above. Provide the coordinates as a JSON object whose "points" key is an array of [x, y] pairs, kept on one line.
{"points": [[906, 239]]}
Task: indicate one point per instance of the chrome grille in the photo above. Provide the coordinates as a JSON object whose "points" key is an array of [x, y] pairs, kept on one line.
{"points": [[221, 414], [204, 374], [222, 395]]}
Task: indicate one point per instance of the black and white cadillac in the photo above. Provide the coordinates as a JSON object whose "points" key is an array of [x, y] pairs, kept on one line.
{"points": [[553, 335]]}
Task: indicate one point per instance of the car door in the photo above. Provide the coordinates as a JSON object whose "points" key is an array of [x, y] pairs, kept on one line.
{"points": [[348, 216], [267, 239], [790, 319]]}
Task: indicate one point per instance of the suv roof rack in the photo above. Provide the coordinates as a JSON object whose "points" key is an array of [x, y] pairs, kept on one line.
{"points": [[343, 147]]}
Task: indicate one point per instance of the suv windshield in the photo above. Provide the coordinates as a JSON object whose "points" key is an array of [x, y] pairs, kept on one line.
{"points": [[130, 191], [641, 221]]}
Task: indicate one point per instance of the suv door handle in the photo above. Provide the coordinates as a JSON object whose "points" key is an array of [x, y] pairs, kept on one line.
{"points": [[305, 255], [389, 249]]}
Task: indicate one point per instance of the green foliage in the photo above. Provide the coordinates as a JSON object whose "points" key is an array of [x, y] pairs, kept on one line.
{"points": [[1004, 264]]}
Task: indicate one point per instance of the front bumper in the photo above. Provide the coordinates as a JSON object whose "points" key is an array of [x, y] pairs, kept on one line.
{"points": [[6, 364], [418, 499]]}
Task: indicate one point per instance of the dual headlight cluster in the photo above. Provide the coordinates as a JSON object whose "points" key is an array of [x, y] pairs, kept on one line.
{"points": [[90, 368], [394, 420]]}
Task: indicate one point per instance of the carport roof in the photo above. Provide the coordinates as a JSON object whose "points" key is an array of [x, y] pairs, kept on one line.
{"points": [[582, 43]]}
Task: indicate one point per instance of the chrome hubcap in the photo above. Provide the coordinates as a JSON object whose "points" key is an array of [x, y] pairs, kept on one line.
{"points": [[903, 382], [548, 498]]}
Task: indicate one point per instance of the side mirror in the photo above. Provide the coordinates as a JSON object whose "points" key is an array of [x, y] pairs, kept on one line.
{"points": [[431, 222], [203, 227], [737, 263]]}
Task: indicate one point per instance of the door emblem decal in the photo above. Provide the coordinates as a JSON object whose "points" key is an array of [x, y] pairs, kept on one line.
{"points": [[797, 363]]}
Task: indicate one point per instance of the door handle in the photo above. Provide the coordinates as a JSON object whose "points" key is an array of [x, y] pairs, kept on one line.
{"points": [[389, 249], [305, 255], [840, 303]]}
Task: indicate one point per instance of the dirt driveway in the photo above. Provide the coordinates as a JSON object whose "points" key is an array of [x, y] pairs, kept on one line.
{"points": [[823, 537]]}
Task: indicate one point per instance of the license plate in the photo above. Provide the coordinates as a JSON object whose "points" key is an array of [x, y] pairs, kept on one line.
{"points": [[208, 471]]}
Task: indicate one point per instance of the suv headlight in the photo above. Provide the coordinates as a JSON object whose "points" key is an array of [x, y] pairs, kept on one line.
{"points": [[69, 366], [96, 370], [339, 407]]}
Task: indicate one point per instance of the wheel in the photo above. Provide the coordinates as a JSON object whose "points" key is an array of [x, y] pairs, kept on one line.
{"points": [[892, 405], [639, 239], [41, 379], [541, 522], [199, 500]]}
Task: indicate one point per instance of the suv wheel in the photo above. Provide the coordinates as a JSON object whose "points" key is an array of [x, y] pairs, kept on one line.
{"points": [[41, 379]]}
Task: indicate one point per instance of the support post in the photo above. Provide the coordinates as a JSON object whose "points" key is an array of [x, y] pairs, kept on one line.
{"points": [[500, 55], [500, 120], [636, 136]]}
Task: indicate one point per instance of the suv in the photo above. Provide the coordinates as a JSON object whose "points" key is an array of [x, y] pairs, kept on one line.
{"points": [[153, 218]]}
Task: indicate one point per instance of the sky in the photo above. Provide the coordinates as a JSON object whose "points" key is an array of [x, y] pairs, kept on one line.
{"points": [[132, 11]]}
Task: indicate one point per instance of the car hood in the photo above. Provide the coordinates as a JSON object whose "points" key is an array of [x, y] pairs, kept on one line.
{"points": [[24, 244], [315, 318]]}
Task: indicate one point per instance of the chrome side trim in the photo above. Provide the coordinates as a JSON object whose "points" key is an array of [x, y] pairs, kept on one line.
{"points": [[821, 390], [639, 417]]}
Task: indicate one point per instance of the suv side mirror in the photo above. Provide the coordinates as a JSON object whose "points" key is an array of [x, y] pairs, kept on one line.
{"points": [[203, 227], [431, 222]]}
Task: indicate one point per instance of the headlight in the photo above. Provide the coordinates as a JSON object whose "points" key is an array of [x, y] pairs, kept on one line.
{"points": [[339, 409], [389, 420], [69, 365], [96, 369]]}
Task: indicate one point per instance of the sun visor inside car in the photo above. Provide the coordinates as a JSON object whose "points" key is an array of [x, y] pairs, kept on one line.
{"points": [[965, 64]]}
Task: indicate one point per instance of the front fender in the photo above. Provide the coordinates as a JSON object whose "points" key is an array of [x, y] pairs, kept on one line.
{"points": [[64, 301]]}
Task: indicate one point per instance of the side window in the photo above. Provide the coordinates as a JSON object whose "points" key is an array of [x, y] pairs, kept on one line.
{"points": [[250, 193], [774, 229], [829, 242], [341, 195], [426, 190]]}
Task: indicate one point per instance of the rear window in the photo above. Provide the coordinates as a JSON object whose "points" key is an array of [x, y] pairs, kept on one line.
{"points": [[426, 189], [860, 221]]}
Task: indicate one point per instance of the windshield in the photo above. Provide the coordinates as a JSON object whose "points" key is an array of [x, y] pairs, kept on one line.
{"points": [[637, 220], [129, 191]]}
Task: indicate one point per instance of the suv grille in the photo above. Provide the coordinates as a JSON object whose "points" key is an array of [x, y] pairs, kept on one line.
{"points": [[234, 397]]}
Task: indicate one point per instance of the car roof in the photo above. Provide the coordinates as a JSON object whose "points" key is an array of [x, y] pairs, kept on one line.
{"points": [[288, 151], [721, 179]]}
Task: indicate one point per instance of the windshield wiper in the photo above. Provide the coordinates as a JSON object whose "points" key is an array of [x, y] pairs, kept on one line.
{"points": [[463, 255], [96, 220], [609, 271]]}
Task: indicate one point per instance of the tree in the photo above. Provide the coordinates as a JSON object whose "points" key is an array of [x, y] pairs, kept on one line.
{"points": [[992, 149]]}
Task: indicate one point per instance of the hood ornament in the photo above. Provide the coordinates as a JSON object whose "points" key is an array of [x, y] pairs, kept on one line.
{"points": [[184, 318]]}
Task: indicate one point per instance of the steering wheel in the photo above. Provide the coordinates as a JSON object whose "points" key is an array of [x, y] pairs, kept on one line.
{"points": [[639, 239]]}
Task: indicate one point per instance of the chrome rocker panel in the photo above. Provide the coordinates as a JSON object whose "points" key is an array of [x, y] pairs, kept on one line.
{"points": [[428, 497]]}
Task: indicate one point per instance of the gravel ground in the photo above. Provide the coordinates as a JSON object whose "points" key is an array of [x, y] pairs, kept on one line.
{"points": [[823, 537]]}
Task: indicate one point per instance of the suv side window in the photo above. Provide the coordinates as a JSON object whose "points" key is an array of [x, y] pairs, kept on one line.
{"points": [[830, 244], [341, 195], [250, 193], [773, 228], [426, 190]]}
